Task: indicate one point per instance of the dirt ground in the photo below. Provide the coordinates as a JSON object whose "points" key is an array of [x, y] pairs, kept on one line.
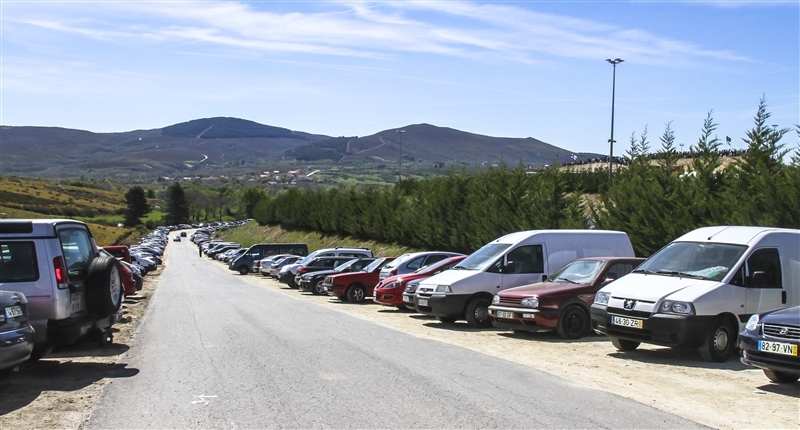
{"points": [[60, 391]]}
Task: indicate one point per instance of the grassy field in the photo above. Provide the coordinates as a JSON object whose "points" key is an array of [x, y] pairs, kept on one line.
{"points": [[252, 233], [35, 198]]}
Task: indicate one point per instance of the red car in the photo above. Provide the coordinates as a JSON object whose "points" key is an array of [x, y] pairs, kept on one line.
{"points": [[389, 291], [356, 286], [128, 282], [562, 302]]}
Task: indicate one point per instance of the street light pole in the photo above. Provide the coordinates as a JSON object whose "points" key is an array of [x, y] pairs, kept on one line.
{"points": [[614, 63], [400, 159]]}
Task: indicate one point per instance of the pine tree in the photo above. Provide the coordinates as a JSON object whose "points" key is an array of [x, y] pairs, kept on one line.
{"points": [[177, 206], [137, 206]]}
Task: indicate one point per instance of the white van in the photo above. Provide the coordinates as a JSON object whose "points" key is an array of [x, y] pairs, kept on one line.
{"points": [[700, 290], [466, 290]]}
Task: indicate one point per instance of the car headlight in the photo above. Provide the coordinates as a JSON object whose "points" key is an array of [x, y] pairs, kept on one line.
{"points": [[602, 298], [411, 287], [443, 289], [495, 299], [531, 302], [675, 307], [752, 323]]}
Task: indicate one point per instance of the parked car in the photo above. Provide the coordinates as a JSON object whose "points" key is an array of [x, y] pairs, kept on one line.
{"points": [[278, 265], [244, 263], [413, 261], [562, 302], [325, 252], [520, 258], [16, 333], [72, 292], [126, 274], [390, 291], [316, 265], [770, 341], [692, 292], [356, 286], [312, 281]]}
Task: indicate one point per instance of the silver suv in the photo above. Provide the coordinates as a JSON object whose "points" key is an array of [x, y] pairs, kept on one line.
{"points": [[72, 293]]}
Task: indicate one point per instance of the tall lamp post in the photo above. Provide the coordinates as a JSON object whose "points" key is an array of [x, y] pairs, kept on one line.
{"points": [[400, 159], [614, 63]]}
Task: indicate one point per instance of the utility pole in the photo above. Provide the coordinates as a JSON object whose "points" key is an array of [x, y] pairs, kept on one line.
{"points": [[613, 92]]}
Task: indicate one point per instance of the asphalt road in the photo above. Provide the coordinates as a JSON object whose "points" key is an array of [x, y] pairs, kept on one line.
{"points": [[215, 351]]}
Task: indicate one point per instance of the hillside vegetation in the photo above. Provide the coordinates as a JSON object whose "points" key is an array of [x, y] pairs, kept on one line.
{"points": [[36, 198]]}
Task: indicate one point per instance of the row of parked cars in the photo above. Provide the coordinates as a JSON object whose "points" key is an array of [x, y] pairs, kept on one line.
{"points": [[57, 286], [716, 289]]}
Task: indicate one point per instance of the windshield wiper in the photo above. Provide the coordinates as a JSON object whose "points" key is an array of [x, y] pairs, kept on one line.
{"points": [[459, 267], [566, 279], [681, 274]]}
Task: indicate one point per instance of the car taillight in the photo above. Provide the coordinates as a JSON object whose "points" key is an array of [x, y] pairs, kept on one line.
{"points": [[302, 270], [60, 272]]}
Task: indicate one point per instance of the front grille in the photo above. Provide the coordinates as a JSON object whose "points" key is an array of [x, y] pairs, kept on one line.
{"points": [[627, 313], [782, 331], [510, 301]]}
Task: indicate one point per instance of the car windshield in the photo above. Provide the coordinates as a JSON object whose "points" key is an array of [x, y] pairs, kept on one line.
{"points": [[712, 261], [482, 258], [375, 264], [396, 262], [579, 272], [437, 267], [346, 265]]}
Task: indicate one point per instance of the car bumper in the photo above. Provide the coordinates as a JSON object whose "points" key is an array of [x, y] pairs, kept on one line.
{"points": [[445, 306], [408, 300], [751, 356], [68, 331], [390, 297], [526, 319], [16, 346], [305, 286], [677, 331]]}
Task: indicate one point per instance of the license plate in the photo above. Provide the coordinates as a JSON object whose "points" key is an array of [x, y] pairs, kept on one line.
{"points": [[777, 347], [505, 314], [627, 322], [422, 302], [75, 302], [13, 311], [407, 299]]}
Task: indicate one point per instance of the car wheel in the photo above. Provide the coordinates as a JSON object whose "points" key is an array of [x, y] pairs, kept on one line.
{"points": [[446, 320], [356, 293], [720, 342], [319, 289], [624, 345], [243, 270], [573, 323], [104, 285], [40, 350], [477, 313], [781, 377]]}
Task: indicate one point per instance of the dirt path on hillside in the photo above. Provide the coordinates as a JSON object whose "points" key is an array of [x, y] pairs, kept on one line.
{"points": [[60, 391]]}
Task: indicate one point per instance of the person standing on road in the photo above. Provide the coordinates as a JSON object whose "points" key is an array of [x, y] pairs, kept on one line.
{"points": [[199, 251]]}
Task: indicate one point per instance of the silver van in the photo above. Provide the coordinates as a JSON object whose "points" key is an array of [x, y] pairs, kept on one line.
{"points": [[72, 293]]}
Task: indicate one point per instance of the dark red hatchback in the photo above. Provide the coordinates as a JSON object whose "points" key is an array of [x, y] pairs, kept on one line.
{"points": [[562, 302]]}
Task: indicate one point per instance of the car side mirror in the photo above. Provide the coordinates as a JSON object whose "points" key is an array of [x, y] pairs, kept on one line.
{"points": [[544, 278], [758, 279]]}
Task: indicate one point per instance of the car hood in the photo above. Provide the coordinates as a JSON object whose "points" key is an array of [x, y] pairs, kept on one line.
{"points": [[541, 288], [783, 316], [654, 287], [450, 277]]}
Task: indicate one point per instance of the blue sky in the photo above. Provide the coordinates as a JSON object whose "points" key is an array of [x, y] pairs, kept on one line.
{"points": [[506, 69]]}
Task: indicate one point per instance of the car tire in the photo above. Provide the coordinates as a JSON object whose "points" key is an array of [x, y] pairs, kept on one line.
{"points": [[720, 342], [781, 377], [318, 289], [243, 270], [446, 320], [624, 345], [104, 286], [356, 293], [40, 350], [477, 313], [573, 323]]}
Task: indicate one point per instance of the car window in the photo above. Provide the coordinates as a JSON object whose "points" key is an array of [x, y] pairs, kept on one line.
{"points": [[526, 259], [77, 250], [619, 270], [18, 262], [434, 259], [415, 263], [768, 262], [396, 262]]}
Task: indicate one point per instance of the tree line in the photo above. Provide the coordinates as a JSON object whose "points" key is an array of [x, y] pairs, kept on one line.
{"points": [[652, 203]]}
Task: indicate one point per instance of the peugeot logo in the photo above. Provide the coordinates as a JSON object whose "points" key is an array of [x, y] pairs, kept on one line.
{"points": [[784, 331], [629, 304]]}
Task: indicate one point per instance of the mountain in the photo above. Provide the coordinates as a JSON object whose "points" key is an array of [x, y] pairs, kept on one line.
{"points": [[212, 146]]}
